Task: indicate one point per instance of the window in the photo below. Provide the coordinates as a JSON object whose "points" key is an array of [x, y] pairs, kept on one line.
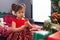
{"points": [[41, 10]]}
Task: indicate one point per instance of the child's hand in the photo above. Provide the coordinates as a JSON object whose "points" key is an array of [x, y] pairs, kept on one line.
{"points": [[27, 24], [22, 27]]}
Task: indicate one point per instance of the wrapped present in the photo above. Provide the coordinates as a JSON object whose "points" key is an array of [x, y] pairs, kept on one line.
{"points": [[55, 36], [40, 35], [36, 27]]}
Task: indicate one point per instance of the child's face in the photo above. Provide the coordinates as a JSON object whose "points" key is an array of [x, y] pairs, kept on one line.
{"points": [[20, 13]]}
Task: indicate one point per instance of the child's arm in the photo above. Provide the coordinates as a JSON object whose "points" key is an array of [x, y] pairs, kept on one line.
{"points": [[17, 29], [28, 24]]}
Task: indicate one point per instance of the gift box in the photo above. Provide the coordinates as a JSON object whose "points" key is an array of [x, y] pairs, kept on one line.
{"points": [[40, 35], [36, 27], [55, 36]]}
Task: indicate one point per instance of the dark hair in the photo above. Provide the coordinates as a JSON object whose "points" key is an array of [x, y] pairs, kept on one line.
{"points": [[13, 6], [16, 7]]}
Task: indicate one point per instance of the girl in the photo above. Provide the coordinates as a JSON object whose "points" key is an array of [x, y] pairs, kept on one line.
{"points": [[20, 25]]}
